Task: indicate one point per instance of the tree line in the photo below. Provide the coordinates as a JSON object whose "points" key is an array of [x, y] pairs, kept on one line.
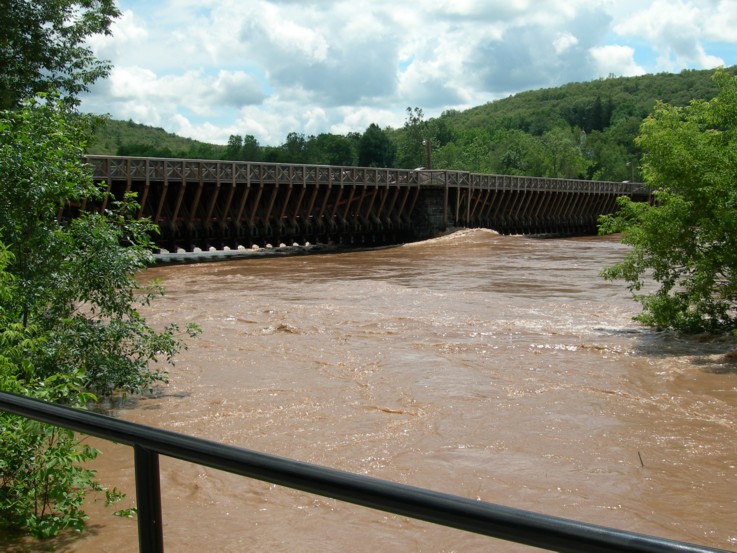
{"points": [[71, 327], [580, 130]]}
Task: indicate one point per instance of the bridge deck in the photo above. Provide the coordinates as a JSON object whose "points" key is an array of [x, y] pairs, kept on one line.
{"points": [[206, 204]]}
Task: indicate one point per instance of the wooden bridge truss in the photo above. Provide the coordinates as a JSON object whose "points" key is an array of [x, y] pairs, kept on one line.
{"points": [[216, 204]]}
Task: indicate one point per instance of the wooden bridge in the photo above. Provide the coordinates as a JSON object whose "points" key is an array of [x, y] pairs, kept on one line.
{"points": [[219, 204]]}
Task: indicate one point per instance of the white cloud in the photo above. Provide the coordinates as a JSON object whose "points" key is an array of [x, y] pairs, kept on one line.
{"points": [[127, 32], [290, 36], [206, 132], [358, 120], [676, 30], [127, 29], [236, 89], [616, 60], [721, 24], [563, 42], [210, 68]]}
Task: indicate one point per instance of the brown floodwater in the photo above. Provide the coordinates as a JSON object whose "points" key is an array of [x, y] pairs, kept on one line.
{"points": [[494, 367]]}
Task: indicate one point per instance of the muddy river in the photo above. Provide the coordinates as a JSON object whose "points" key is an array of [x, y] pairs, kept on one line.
{"points": [[494, 367]]}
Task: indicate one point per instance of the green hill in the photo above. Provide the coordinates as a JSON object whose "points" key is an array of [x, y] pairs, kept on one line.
{"points": [[538, 111], [579, 130], [583, 130], [128, 138]]}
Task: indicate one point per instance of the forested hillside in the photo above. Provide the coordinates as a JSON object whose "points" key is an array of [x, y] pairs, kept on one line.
{"points": [[580, 130], [129, 138]]}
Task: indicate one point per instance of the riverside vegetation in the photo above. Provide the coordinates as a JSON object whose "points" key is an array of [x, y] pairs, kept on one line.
{"points": [[70, 328], [686, 241]]}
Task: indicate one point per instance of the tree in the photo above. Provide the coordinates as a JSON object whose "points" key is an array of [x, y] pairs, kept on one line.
{"points": [[244, 148], [43, 46], [375, 148], [330, 149], [607, 160], [516, 152], [234, 147], [294, 149], [411, 151], [251, 150], [687, 240], [562, 154], [70, 324]]}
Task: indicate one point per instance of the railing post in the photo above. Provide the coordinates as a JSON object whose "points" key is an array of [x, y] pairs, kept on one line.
{"points": [[148, 499]]}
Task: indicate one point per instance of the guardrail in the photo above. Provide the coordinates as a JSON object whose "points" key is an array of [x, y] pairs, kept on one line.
{"points": [[525, 527]]}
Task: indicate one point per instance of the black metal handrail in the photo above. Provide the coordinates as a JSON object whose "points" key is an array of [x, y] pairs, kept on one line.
{"points": [[538, 530]]}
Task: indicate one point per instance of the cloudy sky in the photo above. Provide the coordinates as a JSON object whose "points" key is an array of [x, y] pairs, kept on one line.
{"points": [[207, 69]]}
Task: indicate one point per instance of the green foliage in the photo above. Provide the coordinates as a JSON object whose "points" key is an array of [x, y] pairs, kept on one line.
{"points": [[42, 485], [43, 482], [375, 149], [563, 157], [411, 142], [244, 148], [43, 46], [127, 138], [330, 149], [687, 241], [582, 130], [295, 148], [114, 496], [234, 147], [526, 133], [69, 305]]}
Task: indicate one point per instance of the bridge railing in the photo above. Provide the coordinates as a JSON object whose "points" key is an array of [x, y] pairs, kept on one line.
{"points": [[505, 523], [190, 170], [231, 204], [160, 169]]}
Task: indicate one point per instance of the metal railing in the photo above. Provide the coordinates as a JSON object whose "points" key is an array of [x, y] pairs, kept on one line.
{"points": [[525, 527]]}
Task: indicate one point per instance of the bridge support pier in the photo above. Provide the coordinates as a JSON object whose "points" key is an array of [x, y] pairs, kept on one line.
{"points": [[431, 215]]}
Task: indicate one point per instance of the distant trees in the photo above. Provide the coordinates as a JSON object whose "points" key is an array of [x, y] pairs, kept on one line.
{"points": [[558, 153], [295, 148], [323, 149], [606, 158], [562, 154], [250, 149], [244, 148], [514, 152], [331, 149], [138, 149], [234, 149], [411, 152], [375, 148], [580, 130], [589, 115], [686, 242]]}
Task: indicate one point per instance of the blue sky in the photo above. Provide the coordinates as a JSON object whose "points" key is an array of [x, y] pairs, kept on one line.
{"points": [[207, 69]]}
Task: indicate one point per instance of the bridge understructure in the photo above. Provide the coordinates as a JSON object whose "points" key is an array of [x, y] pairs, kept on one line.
{"points": [[222, 204]]}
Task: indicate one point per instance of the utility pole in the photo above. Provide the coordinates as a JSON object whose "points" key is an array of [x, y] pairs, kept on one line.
{"points": [[427, 143]]}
